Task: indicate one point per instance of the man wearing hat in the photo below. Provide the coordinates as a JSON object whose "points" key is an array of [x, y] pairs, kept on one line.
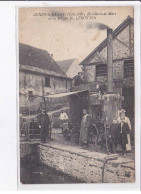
{"points": [[85, 123], [112, 140], [44, 124], [126, 119], [78, 80]]}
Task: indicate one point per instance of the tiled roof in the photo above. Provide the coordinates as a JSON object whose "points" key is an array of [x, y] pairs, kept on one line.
{"points": [[65, 64], [36, 58]]}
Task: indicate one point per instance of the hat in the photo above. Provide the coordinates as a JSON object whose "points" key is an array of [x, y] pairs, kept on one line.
{"points": [[43, 110], [122, 111]]}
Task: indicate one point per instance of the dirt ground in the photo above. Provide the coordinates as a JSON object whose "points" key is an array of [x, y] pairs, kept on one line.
{"points": [[58, 138]]}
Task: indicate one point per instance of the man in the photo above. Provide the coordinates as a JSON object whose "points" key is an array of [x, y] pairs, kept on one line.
{"points": [[63, 117], [122, 118], [113, 136], [85, 123], [124, 129], [103, 88], [44, 124], [78, 79], [126, 119]]}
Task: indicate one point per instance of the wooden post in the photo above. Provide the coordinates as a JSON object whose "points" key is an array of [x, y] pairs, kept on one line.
{"points": [[110, 60], [130, 38], [44, 103], [28, 124]]}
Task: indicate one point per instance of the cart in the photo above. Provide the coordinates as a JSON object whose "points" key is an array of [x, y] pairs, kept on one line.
{"points": [[30, 127], [78, 101]]}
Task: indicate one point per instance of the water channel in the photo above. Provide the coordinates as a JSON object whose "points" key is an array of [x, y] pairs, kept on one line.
{"points": [[34, 173]]}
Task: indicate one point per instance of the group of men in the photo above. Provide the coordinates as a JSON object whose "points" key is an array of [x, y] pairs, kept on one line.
{"points": [[119, 132]]}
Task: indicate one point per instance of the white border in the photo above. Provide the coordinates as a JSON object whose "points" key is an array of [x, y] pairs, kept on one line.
{"points": [[96, 186]]}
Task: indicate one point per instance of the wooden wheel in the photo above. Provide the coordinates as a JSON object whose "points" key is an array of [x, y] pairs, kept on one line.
{"points": [[93, 134]]}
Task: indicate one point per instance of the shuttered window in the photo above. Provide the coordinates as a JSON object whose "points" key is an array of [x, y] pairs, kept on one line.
{"points": [[101, 70], [47, 82], [129, 68]]}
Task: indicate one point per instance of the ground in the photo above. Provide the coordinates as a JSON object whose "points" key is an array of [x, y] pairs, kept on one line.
{"points": [[58, 138]]}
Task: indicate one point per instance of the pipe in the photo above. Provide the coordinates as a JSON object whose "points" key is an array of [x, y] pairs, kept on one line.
{"points": [[110, 157], [110, 60], [105, 129]]}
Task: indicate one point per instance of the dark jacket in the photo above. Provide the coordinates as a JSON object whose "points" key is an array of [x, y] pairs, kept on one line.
{"points": [[44, 121], [122, 137], [77, 80], [113, 130]]}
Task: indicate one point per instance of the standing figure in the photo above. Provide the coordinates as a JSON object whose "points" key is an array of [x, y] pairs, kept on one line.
{"points": [[63, 119], [85, 123], [123, 131], [113, 136], [122, 118], [44, 124]]}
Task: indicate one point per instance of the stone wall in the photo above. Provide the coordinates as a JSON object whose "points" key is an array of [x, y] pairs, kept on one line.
{"points": [[82, 164], [90, 73], [123, 45], [86, 165], [36, 84], [27, 149]]}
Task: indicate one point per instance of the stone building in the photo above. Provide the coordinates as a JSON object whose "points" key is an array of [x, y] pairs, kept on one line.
{"points": [[70, 67], [39, 75], [95, 64]]}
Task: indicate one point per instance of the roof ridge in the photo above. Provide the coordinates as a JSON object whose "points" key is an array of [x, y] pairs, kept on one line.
{"points": [[33, 47], [38, 58], [66, 59], [65, 64]]}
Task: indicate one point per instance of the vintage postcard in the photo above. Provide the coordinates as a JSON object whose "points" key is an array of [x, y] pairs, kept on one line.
{"points": [[76, 95]]}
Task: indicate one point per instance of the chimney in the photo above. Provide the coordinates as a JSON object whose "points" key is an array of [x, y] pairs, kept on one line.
{"points": [[110, 60]]}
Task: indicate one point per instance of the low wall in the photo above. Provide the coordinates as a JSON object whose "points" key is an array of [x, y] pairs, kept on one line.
{"points": [[85, 165], [28, 148], [82, 164]]}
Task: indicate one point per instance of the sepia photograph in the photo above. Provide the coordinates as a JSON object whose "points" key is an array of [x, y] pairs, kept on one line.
{"points": [[76, 95]]}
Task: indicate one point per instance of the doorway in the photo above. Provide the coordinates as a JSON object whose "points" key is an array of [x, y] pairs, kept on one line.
{"points": [[128, 103]]}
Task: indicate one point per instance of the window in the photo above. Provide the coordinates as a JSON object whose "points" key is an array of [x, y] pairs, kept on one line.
{"points": [[128, 69], [47, 81], [30, 93], [101, 70]]}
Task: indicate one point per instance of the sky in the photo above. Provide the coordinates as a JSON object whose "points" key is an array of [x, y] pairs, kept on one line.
{"points": [[69, 32]]}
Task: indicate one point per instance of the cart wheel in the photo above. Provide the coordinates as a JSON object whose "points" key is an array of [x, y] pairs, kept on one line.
{"points": [[93, 128], [64, 133]]}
